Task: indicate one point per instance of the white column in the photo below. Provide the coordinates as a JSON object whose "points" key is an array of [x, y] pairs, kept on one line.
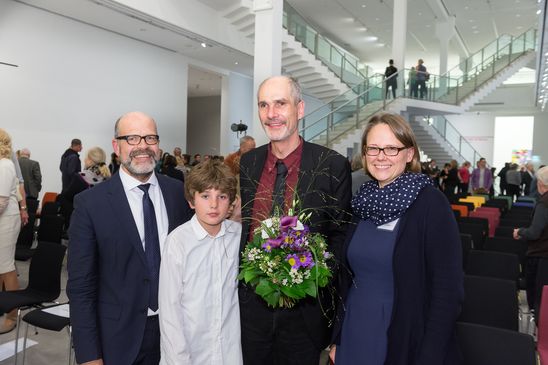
{"points": [[444, 31], [399, 34], [268, 52]]}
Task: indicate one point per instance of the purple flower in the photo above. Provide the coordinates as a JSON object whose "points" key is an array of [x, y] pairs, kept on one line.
{"points": [[272, 243], [287, 222], [305, 259], [293, 260]]}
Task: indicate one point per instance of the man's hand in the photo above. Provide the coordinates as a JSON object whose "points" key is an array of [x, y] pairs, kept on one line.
{"points": [[332, 352], [516, 234]]}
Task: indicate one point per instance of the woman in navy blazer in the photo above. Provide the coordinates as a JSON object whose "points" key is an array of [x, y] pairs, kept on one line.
{"points": [[403, 286]]}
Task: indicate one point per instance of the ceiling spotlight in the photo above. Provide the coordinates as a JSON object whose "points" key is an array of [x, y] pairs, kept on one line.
{"points": [[364, 6], [203, 44], [539, 11], [236, 62]]}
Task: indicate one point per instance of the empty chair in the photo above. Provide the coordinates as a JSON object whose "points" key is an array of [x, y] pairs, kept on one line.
{"points": [[44, 318], [493, 264], [476, 231], [484, 222], [504, 232], [484, 345], [498, 203], [491, 302], [51, 228], [508, 245], [44, 282], [515, 222], [467, 246], [493, 221], [462, 209]]}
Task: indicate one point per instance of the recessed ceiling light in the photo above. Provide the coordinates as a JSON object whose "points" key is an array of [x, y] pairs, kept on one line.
{"points": [[466, 7], [476, 32], [474, 27], [517, 15], [203, 44], [470, 20], [428, 25], [539, 11], [371, 38], [236, 62], [519, 27], [364, 6], [377, 19], [363, 29]]}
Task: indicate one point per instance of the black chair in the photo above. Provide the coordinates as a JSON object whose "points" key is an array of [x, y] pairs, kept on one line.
{"points": [[44, 282], [51, 228], [467, 246], [51, 208], [476, 231], [23, 250], [514, 222], [484, 345], [493, 264], [484, 222], [490, 302], [499, 203], [507, 232], [41, 318], [508, 245]]}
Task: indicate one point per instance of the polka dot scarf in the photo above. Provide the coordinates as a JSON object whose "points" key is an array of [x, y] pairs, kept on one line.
{"points": [[389, 203]]}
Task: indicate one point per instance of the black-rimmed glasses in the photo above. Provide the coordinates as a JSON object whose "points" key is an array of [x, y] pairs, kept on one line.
{"points": [[388, 151], [134, 139]]}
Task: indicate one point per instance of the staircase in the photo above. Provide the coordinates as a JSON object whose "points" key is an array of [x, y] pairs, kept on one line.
{"points": [[446, 95], [323, 70]]}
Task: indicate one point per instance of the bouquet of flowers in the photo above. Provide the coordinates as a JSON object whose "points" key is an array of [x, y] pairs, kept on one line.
{"points": [[285, 262]]}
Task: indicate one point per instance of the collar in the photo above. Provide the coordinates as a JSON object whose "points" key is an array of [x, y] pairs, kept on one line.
{"points": [[200, 233], [290, 160], [129, 182]]}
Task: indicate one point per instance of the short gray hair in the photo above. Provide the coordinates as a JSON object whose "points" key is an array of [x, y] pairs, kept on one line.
{"points": [[246, 139], [542, 175]]}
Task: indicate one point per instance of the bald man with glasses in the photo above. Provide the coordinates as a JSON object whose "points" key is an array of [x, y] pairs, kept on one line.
{"points": [[117, 233]]}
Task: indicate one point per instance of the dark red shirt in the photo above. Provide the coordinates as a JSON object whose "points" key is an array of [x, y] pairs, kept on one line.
{"points": [[262, 205]]}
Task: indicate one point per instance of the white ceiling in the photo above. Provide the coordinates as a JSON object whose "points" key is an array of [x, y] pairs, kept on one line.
{"points": [[478, 22]]}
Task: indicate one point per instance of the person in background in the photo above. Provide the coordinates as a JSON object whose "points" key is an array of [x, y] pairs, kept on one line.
{"points": [[527, 177], [200, 265], [247, 143], [114, 164], [464, 177], [412, 82], [481, 178], [70, 162], [116, 237], [513, 181], [536, 236], [502, 178], [359, 174], [10, 224], [404, 279], [95, 171], [422, 77], [391, 79], [170, 169], [32, 175], [197, 160]]}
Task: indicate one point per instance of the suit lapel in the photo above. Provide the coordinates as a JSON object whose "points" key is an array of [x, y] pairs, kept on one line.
{"points": [[122, 211]]}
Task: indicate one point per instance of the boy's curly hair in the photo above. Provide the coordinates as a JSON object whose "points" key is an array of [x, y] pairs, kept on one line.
{"points": [[211, 174]]}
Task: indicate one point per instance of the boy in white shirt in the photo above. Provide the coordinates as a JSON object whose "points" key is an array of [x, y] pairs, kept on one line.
{"points": [[198, 292]]}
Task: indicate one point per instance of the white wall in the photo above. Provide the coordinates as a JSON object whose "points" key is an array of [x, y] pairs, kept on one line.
{"points": [[479, 130], [75, 80], [239, 97]]}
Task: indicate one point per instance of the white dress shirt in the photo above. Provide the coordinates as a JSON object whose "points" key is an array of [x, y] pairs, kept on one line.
{"points": [[135, 199], [198, 296]]}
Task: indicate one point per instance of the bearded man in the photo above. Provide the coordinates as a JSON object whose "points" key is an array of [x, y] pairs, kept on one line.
{"points": [[116, 235]]}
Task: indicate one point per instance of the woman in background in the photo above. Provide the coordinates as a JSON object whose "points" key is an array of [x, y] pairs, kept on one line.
{"points": [[95, 171], [10, 224], [405, 241]]}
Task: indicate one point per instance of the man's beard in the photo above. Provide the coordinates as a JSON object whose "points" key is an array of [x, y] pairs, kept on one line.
{"points": [[140, 169]]}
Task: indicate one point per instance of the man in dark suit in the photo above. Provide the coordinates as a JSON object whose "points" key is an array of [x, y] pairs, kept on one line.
{"points": [[116, 234], [321, 180], [70, 162], [32, 175]]}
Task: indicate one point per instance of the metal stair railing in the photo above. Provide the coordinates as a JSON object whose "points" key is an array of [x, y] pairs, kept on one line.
{"points": [[346, 66], [456, 140]]}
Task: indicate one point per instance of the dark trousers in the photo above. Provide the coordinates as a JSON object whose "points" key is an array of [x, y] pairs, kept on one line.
{"points": [[149, 353], [421, 85], [513, 190], [274, 336], [392, 86], [463, 187]]}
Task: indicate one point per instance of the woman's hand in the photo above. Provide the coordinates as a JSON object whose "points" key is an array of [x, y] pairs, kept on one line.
{"points": [[516, 234], [332, 352]]}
